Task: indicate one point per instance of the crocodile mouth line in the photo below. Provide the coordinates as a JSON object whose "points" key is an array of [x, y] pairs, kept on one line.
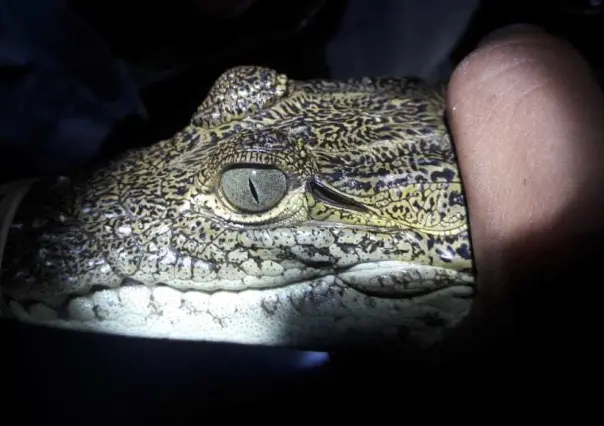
{"points": [[369, 281], [313, 312], [381, 279]]}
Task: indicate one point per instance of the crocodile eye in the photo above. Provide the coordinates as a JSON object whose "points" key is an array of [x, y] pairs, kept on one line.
{"points": [[253, 189]]}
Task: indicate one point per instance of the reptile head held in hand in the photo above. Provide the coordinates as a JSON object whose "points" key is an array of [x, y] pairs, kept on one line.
{"points": [[292, 213]]}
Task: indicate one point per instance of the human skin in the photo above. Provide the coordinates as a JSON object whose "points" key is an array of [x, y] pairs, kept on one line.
{"points": [[527, 117]]}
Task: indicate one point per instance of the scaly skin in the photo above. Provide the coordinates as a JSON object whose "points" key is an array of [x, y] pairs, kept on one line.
{"points": [[308, 214]]}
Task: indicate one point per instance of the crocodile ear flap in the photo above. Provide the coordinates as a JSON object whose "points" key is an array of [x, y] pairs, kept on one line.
{"points": [[238, 92]]}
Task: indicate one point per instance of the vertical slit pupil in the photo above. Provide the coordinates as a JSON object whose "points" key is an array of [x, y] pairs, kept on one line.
{"points": [[253, 190]]}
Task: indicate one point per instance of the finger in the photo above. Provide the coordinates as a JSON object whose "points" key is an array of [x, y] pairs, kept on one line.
{"points": [[526, 115]]}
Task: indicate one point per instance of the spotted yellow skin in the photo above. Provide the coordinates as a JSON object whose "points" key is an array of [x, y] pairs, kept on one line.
{"points": [[369, 242]]}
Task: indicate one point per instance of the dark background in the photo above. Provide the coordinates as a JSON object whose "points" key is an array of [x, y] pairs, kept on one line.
{"points": [[133, 74]]}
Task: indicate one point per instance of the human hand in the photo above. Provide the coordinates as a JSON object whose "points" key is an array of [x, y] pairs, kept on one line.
{"points": [[526, 115]]}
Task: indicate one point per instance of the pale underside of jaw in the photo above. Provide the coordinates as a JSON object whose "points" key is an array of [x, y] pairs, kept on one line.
{"points": [[323, 313]]}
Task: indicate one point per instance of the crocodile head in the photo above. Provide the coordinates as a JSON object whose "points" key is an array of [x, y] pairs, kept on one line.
{"points": [[308, 214]]}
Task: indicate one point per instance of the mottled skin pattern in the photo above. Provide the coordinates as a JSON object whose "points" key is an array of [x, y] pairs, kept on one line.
{"points": [[364, 233]]}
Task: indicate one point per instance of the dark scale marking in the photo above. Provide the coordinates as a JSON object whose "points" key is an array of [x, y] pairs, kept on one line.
{"points": [[464, 251], [445, 175], [456, 198]]}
